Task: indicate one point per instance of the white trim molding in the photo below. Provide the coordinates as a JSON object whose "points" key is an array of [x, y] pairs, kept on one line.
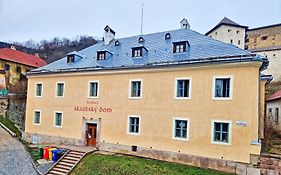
{"points": [[54, 120], [176, 88], [141, 88], [93, 81], [174, 127], [128, 125], [34, 111], [229, 132], [230, 87]]}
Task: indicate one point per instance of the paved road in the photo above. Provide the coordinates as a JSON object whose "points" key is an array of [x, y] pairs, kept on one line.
{"points": [[14, 159]]}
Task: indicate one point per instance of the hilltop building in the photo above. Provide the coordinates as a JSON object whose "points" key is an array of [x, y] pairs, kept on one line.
{"points": [[175, 95]]}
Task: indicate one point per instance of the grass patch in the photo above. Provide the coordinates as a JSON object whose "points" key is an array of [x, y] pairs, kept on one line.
{"points": [[34, 152], [97, 164], [9, 124]]}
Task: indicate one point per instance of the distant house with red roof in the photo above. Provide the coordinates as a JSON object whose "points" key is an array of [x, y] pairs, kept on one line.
{"points": [[273, 106], [16, 63]]}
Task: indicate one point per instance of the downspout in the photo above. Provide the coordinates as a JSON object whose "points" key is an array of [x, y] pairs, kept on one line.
{"points": [[259, 108]]}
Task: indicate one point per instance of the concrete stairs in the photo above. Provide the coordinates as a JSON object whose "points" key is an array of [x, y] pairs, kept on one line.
{"points": [[66, 164]]}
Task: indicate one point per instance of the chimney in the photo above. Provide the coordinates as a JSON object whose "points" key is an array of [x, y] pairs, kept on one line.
{"points": [[109, 35], [13, 47], [184, 24]]}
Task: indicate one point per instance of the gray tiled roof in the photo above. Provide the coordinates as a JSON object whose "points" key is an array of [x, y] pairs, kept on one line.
{"points": [[159, 51]]}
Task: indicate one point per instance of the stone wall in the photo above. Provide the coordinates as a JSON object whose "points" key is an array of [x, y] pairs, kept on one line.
{"points": [[270, 164], [16, 111], [3, 106]]}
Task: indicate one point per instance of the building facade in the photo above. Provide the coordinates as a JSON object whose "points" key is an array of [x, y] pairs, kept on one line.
{"points": [[266, 41], [273, 106], [164, 95], [16, 63], [229, 31]]}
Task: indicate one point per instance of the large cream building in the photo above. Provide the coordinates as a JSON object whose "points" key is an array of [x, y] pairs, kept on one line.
{"points": [[175, 95]]}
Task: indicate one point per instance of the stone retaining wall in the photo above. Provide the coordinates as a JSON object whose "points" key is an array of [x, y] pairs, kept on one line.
{"points": [[270, 164], [198, 161]]}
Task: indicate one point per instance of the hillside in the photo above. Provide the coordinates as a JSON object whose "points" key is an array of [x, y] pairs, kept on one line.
{"points": [[54, 49]]}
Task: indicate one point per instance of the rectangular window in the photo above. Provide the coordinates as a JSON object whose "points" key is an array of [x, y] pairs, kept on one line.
{"points": [[221, 132], [135, 88], [60, 90], [101, 56], [58, 119], [183, 88], [179, 47], [222, 87], [134, 124], [6, 67], [180, 129], [18, 69], [37, 117], [276, 116], [39, 89], [93, 89], [231, 41], [239, 42], [137, 52]]}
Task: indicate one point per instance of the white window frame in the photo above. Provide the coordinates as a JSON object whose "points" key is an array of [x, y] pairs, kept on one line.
{"points": [[54, 122], [128, 125], [130, 92], [174, 127], [89, 83], [36, 89], [34, 117], [56, 95], [229, 132], [176, 88], [230, 87]]}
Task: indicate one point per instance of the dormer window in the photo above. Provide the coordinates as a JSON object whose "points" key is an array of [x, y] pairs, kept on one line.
{"points": [[141, 39], [167, 36], [101, 55], [179, 47], [117, 43], [70, 58], [137, 52]]}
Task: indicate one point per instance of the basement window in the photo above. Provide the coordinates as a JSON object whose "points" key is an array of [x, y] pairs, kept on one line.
{"points": [[134, 148]]}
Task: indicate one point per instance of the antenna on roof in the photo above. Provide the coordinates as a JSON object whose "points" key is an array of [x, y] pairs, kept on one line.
{"points": [[141, 16]]}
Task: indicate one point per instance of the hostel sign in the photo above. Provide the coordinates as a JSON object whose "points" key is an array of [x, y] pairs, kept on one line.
{"points": [[92, 106]]}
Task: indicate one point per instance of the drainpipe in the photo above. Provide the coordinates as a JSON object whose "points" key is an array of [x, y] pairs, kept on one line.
{"points": [[259, 108]]}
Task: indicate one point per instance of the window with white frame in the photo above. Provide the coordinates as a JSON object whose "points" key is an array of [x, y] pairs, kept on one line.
{"points": [[93, 89], [221, 132], [222, 87], [60, 90], [58, 119], [134, 124], [37, 117], [183, 88], [180, 129], [135, 88], [39, 89]]}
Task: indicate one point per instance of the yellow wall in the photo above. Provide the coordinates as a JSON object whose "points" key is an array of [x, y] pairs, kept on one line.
{"points": [[2, 81], [13, 74], [157, 108]]}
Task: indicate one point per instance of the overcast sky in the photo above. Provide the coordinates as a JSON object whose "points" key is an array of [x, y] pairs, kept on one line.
{"points": [[21, 20]]}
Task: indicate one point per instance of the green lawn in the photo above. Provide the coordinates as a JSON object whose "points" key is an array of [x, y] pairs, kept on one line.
{"points": [[9, 124], [98, 164]]}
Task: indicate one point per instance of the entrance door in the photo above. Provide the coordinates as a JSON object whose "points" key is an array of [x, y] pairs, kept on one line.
{"points": [[91, 135]]}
